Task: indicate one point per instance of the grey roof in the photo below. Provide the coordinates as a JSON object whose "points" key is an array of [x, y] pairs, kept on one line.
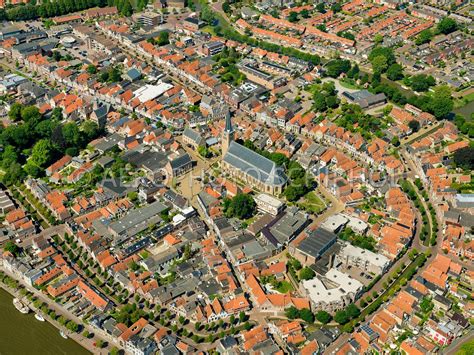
{"points": [[288, 226], [194, 136], [317, 242], [255, 165], [180, 161], [138, 216], [133, 74]]}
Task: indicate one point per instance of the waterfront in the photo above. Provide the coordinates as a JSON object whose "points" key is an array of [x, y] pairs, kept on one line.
{"points": [[23, 334]]}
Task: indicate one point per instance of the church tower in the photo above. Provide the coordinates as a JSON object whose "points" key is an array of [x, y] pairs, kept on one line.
{"points": [[227, 134]]}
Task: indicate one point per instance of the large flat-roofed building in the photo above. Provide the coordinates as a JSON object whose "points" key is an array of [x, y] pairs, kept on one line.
{"points": [[363, 259], [133, 222], [250, 167], [313, 246], [333, 291], [365, 99], [149, 92], [269, 204], [290, 225], [253, 73]]}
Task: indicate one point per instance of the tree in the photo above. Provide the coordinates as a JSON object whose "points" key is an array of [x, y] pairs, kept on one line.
{"points": [[352, 311], [341, 317], [442, 103], [163, 38], [293, 16], [292, 312], [11, 247], [426, 305], [378, 38], [425, 36], [305, 13], [395, 72], [91, 69], [447, 25], [15, 112], [72, 326], [464, 158], [319, 102], [321, 7], [422, 82], [30, 114], [307, 315], [414, 125], [90, 129], [42, 153], [336, 7], [204, 152], [306, 273], [383, 51], [226, 7], [14, 174], [336, 67], [241, 206], [242, 317], [126, 9], [71, 134], [323, 317], [379, 64]]}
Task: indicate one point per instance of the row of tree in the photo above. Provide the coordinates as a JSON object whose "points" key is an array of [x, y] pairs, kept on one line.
{"points": [[52, 8]]}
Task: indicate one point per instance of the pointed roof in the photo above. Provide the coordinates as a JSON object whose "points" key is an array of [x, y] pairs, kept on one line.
{"points": [[228, 123]]}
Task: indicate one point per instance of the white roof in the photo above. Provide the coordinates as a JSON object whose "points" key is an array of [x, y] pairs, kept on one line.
{"points": [[149, 92], [269, 200], [333, 287], [366, 255]]}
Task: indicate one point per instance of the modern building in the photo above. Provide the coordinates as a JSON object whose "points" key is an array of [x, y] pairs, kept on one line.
{"points": [[212, 48], [333, 291], [250, 167], [269, 204], [150, 19], [313, 246], [363, 259]]}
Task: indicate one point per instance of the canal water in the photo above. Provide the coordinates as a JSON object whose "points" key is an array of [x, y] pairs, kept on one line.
{"points": [[23, 334]]}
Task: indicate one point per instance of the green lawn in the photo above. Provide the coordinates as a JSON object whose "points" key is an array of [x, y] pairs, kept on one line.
{"points": [[312, 203], [348, 85], [284, 287], [463, 100]]}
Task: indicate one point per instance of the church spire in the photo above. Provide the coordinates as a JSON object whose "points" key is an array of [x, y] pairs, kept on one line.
{"points": [[228, 134], [228, 123]]}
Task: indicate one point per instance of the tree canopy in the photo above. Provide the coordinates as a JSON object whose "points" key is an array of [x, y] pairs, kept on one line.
{"points": [[464, 158], [323, 317], [241, 206], [447, 25]]}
